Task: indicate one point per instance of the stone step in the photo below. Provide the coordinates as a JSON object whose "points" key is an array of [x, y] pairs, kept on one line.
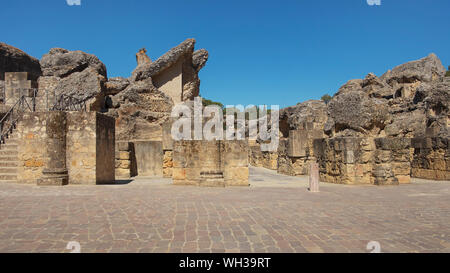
{"points": [[8, 170], [9, 163], [8, 147], [8, 158], [8, 177], [12, 140], [8, 181], [212, 183], [8, 153]]}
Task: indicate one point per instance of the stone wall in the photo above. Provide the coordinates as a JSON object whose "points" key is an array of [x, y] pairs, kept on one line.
{"points": [[90, 148], [392, 161], [16, 86], [431, 158], [292, 166], [235, 160], [2, 91], [382, 161], [345, 160], [32, 153], [46, 93], [297, 152], [168, 164], [105, 138], [258, 158], [125, 160], [210, 163], [171, 82], [149, 158]]}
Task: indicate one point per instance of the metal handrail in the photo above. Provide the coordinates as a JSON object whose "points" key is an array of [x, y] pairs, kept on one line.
{"points": [[13, 115], [10, 119], [68, 103]]}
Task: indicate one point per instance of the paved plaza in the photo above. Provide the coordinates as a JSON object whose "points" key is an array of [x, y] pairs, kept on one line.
{"points": [[275, 214]]}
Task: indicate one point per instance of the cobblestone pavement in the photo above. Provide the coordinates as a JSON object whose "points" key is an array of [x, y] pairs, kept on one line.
{"points": [[276, 214]]}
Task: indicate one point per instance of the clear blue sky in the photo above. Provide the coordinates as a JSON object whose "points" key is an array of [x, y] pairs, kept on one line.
{"points": [[261, 52]]}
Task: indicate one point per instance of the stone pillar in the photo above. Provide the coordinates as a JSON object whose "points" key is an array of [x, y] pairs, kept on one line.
{"points": [[314, 177], [55, 173], [16, 85]]}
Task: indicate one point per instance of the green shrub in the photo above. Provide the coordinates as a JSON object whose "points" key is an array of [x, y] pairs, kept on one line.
{"points": [[448, 72], [326, 98], [210, 102]]}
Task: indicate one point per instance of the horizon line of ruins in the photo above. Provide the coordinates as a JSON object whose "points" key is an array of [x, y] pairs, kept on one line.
{"points": [[63, 121]]}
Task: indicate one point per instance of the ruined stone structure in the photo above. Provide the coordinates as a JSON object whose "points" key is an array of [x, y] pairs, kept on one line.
{"points": [[59, 148], [64, 122], [47, 138], [142, 58], [210, 163], [142, 104], [380, 131]]}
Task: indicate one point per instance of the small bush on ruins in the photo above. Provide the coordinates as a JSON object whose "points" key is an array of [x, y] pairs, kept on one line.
{"points": [[326, 98], [448, 72], [207, 102]]}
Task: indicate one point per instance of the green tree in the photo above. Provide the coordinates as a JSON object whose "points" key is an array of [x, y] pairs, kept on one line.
{"points": [[207, 102], [448, 72], [326, 98]]}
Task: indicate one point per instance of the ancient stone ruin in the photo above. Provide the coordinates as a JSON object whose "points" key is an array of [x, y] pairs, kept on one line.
{"points": [[380, 131], [65, 122]]}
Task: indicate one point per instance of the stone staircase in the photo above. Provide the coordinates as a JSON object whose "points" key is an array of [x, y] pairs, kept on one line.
{"points": [[212, 179], [9, 160]]}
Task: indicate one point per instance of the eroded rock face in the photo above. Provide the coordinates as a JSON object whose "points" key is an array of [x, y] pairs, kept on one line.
{"points": [[424, 70], [376, 88], [76, 74], [180, 63], [84, 85], [142, 57], [15, 60], [61, 63], [143, 103], [351, 85], [394, 105], [199, 59], [116, 85], [436, 103], [140, 111], [313, 112], [354, 113], [148, 70]]}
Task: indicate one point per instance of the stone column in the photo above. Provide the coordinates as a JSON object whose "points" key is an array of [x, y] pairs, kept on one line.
{"points": [[55, 173], [314, 177]]}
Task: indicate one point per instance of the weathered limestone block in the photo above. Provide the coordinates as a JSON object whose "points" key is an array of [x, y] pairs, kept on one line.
{"points": [[32, 153], [392, 161], [55, 144], [125, 160], [16, 86], [90, 148], [55, 173], [314, 177], [47, 90], [149, 158], [293, 166], [168, 164], [142, 57], [345, 160], [431, 158], [235, 163], [258, 158], [210, 163]]}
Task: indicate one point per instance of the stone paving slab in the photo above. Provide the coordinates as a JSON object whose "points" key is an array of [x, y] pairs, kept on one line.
{"points": [[276, 214]]}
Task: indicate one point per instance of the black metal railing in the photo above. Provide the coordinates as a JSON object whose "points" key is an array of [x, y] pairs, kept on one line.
{"points": [[68, 103], [9, 120]]}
